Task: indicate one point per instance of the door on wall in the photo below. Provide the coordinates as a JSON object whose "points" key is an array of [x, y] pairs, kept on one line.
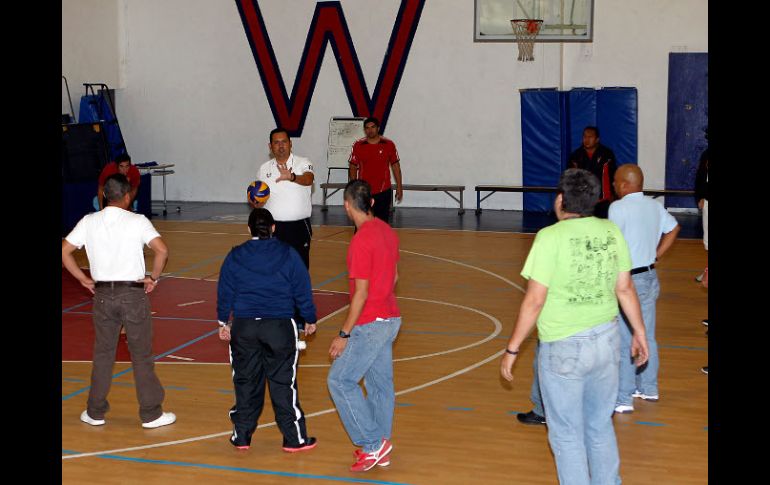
{"points": [[687, 123]]}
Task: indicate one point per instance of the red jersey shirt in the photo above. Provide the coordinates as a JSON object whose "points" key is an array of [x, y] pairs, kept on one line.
{"points": [[374, 161], [112, 168], [373, 255]]}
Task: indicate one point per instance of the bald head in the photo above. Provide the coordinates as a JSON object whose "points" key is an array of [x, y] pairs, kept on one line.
{"points": [[628, 179]]}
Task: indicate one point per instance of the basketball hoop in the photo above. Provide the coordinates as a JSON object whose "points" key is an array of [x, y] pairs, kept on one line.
{"points": [[526, 30]]}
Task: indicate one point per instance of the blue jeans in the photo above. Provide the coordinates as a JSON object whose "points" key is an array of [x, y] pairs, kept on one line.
{"points": [[644, 378], [534, 393], [578, 379], [368, 355]]}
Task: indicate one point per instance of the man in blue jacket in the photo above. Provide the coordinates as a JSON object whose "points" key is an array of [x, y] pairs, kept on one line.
{"points": [[261, 282]]}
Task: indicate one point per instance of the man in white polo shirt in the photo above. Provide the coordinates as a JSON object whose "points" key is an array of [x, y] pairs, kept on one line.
{"points": [[114, 238], [290, 179], [649, 231]]}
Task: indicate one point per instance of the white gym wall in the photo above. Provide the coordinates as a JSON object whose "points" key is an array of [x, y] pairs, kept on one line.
{"points": [[188, 91]]}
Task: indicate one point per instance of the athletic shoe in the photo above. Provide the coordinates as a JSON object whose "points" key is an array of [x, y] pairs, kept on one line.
{"points": [[240, 444], [699, 278], [705, 370], [705, 322], [530, 418], [310, 443], [163, 420], [366, 461], [384, 462], [646, 397], [624, 409], [88, 419]]}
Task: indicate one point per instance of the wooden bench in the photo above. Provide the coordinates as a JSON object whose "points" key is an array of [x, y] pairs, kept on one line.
{"points": [[447, 189], [518, 188]]}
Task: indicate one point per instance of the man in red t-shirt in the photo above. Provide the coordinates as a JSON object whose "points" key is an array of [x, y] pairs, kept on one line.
{"points": [[364, 347], [371, 159], [122, 164]]}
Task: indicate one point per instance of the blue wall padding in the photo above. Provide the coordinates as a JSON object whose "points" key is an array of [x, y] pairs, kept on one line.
{"points": [[541, 145], [581, 112], [686, 123], [617, 110], [552, 124], [96, 108], [78, 200]]}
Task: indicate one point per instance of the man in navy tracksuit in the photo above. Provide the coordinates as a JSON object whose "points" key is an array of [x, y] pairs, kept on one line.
{"points": [[261, 282]]}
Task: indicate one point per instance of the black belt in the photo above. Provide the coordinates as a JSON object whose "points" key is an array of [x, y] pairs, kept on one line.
{"points": [[119, 284], [642, 269]]}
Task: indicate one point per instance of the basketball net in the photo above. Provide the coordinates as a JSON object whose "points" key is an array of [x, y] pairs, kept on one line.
{"points": [[526, 31]]}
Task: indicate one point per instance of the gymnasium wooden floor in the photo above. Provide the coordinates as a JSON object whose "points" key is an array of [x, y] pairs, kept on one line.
{"points": [[455, 422]]}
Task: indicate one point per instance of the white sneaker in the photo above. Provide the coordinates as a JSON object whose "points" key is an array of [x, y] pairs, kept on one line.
{"points": [[163, 420], [88, 419], [624, 409], [646, 397]]}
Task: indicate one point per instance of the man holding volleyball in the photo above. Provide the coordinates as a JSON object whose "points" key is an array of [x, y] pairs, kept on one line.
{"points": [[290, 179]]}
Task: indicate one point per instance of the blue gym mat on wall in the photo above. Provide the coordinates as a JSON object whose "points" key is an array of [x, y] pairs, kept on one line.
{"points": [[552, 123], [687, 122]]}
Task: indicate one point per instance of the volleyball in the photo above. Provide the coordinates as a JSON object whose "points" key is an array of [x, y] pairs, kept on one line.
{"points": [[258, 192]]}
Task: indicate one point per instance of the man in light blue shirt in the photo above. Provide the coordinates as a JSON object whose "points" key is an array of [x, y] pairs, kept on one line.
{"points": [[649, 231]]}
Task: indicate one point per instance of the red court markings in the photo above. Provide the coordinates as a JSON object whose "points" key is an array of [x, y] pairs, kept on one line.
{"points": [[173, 325]]}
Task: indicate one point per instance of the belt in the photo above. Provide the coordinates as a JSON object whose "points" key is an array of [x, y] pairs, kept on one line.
{"points": [[642, 269], [119, 284]]}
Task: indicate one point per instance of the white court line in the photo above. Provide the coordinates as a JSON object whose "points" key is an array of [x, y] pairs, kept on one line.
{"points": [[495, 333], [311, 415], [326, 411], [180, 358], [191, 303]]}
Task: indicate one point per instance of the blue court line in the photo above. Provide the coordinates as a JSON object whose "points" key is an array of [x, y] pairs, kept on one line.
{"points": [[453, 408], [76, 306], [244, 470], [226, 391], [157, 357], [403, 404], [201, 320], [648, 423], [514, 412], [175, 388], [333, 278], [72, 379]]}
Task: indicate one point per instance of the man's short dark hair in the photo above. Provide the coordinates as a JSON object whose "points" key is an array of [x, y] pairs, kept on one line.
{"points": [[261, 223], [592, 128], [372, 119], [116, 187], [580, 191], [278, 130], [122, 158], [359, 193]]}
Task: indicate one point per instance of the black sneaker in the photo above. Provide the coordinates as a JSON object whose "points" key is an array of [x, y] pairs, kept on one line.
{"points": [[530, 418], [239, 443], [705, 369], [310, 443]]}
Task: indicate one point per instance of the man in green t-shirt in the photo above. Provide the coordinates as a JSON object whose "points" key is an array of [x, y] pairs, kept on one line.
{"points": [[578, 271]]}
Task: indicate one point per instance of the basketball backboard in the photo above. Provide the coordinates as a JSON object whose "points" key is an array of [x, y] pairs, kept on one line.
{"points": [[563, 20]]}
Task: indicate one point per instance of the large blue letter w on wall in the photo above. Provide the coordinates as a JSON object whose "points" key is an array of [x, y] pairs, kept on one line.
{"points": [[329, 26]]}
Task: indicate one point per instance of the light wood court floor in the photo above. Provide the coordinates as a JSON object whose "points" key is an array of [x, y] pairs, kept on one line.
{"points": [[455, 421]]}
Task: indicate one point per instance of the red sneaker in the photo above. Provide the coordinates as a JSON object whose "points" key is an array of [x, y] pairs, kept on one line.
{"points": [[384, 462], [366, 461]]}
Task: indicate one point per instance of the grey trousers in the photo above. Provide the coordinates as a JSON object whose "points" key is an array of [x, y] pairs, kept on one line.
{"points": [[130, 307]]}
